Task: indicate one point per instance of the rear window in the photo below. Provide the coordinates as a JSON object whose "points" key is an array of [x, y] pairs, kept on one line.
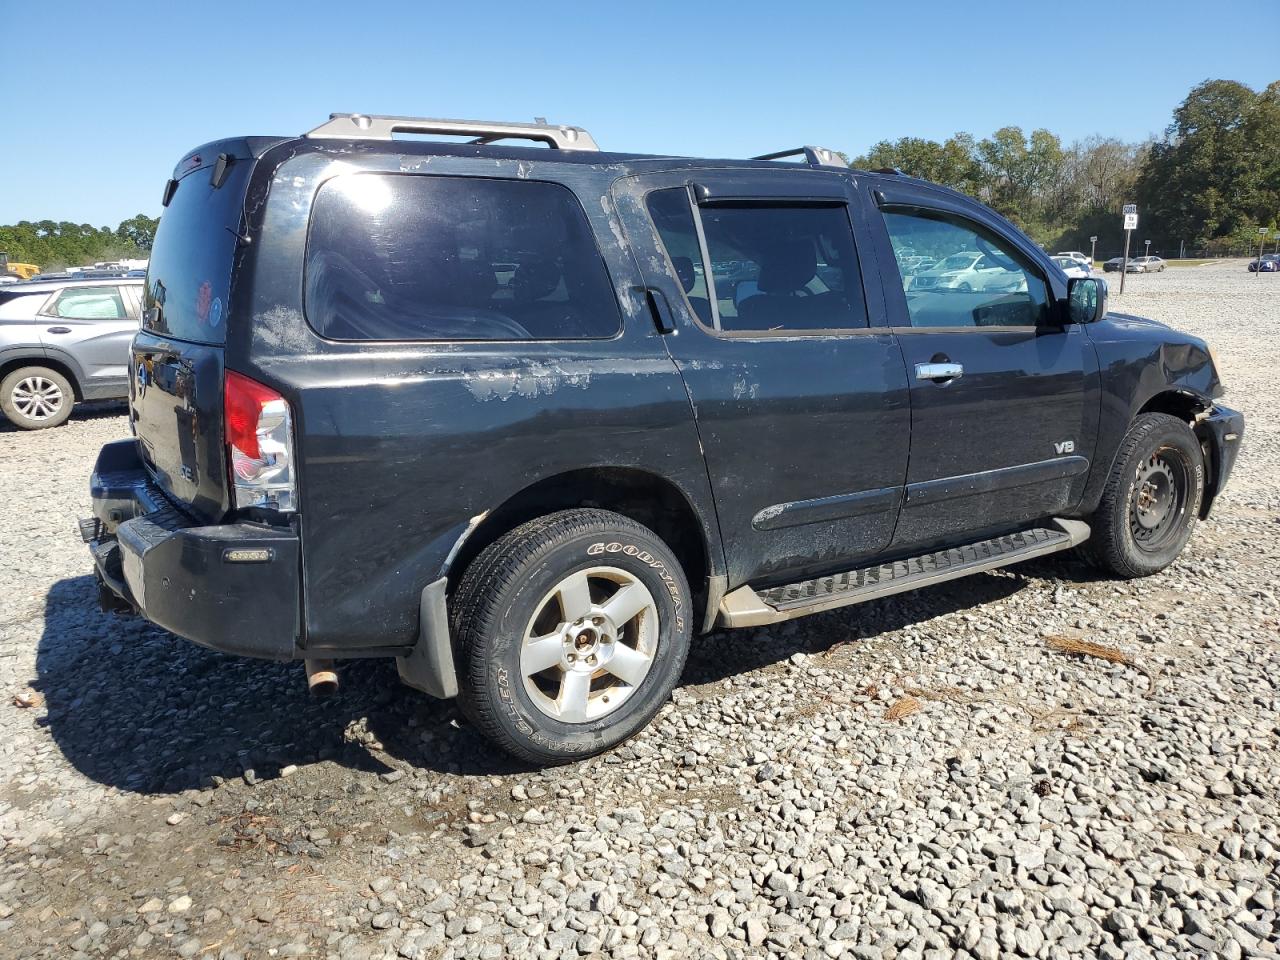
{"points": [[189, 274], [411, 257]]}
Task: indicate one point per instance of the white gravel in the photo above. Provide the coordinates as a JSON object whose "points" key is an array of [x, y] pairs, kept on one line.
{"points": [[161, 800]]}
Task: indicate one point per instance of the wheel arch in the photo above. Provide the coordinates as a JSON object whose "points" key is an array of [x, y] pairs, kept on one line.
{"points": [[10, 363], [643, 496], [1181, 403]]}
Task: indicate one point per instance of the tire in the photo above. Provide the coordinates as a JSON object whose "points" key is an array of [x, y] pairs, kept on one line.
{"points": [[558, 699], [36, 398], [1151, 499]]}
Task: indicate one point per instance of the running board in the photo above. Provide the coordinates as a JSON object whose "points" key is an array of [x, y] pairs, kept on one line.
{"points": [[746, 607]]}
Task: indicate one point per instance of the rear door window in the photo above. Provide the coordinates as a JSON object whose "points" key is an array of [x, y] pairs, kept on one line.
{"points": [[88, 303], [774, 266], [411, 257]]}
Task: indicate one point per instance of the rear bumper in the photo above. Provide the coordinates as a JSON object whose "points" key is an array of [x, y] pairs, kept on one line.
{"points": [[232, 587], [1221, 433]]}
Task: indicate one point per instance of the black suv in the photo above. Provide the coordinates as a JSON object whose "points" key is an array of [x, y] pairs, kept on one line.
{"points": [[527, 419]]}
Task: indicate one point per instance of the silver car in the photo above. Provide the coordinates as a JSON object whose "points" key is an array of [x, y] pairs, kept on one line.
{"points": [[64, 341]]}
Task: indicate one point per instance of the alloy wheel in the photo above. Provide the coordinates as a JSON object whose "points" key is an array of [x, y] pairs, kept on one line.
{"points": [[589, 644], [37, 398]]}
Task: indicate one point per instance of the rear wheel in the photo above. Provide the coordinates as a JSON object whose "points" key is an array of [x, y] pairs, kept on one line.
{"points": [[570, 632], [1151, 499], [34, 398]]}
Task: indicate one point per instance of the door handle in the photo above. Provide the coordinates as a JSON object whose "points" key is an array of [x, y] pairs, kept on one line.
{"points": [[939, 371], [59, 330], [659, 309]]}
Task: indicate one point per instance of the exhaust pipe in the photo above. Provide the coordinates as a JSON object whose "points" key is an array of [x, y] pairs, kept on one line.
{"points": [[322, 677]]}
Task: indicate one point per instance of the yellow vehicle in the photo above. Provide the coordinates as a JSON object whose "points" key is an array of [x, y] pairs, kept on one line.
{"points": [[23, 271]]}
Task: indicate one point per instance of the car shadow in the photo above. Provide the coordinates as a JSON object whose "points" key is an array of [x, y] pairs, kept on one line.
{"points": [[91, 410], [135, 707], [726, 653]]}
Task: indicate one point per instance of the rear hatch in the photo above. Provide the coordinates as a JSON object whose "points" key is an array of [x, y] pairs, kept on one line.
{"points": [[177, 364]]}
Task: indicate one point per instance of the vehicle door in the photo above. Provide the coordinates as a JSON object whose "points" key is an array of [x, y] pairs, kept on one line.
{"points": [[1004, 402], [801, 404], [91, 328]]}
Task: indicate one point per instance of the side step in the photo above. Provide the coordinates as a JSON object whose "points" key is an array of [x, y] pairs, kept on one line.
{"points": [[746, 607]]}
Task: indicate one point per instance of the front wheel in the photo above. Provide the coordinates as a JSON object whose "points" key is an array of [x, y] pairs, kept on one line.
{"points": [[1151, 499], [34, 398], [570, 633]]}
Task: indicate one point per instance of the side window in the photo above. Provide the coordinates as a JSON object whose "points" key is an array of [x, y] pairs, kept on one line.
{"points": [[956, 274], [673, 217], [89, 303], [411, 257], [774, 267]]}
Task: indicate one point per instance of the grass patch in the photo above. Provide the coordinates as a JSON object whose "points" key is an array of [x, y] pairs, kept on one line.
{"points": [[1087, 648]]}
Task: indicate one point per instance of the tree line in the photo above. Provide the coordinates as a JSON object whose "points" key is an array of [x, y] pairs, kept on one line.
{"points": [[1208, 183], [56, 246]]}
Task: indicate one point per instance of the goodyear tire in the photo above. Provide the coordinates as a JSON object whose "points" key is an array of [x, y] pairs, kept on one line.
{"points": [[569, 634], [1151, 499]]}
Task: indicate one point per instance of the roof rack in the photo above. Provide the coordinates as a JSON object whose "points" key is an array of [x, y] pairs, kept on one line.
{"points": [[814, 156], [361, 126]]}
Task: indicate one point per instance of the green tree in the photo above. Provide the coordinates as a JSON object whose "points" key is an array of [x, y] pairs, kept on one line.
{"points": [[1214, 176]]}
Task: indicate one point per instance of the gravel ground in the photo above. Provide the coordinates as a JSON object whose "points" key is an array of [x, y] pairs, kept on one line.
{"points": [[923, 776]]}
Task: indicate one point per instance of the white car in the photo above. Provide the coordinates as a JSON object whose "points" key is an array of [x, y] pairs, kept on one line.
{"points": [[1072, 267], [965, 272], [1076, 255]]}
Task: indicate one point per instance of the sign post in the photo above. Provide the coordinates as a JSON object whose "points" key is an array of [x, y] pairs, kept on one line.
{"points": [[1130, 225], [1093, 251], [1262, 242], [1148, 243]]}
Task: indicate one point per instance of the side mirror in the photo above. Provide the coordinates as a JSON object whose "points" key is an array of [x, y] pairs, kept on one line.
{"points": [[1086, 299]]}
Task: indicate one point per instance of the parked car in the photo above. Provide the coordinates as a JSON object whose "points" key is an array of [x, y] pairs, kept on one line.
{"points": [[1072, 267], [1080, 258], [1114, 265], [1146, 265], [1269, 263], [63, 341], [536, 451], [964, 272]]}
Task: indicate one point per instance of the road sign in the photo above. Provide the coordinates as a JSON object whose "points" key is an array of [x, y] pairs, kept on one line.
{"points": [[1262, 231], [1129, 208], [1093, 239], [1131, 221]]}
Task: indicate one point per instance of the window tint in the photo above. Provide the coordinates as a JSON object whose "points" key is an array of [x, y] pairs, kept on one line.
{"points": [[673, 217], [955, 275], [394, 257], [773, 267], [89, 303], [189, 274]]}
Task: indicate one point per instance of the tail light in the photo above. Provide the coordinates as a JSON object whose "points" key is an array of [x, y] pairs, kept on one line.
{"points": [[259, 433]]}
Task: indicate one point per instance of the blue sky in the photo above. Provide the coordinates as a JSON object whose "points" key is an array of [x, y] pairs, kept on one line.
{"points": [[103, 98]]}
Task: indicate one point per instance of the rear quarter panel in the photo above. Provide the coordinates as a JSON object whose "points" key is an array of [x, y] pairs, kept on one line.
{"points": [[402, 444]]}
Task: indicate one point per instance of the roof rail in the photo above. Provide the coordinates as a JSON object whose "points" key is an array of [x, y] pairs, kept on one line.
{"points": [[360, 126], [814, 156]]}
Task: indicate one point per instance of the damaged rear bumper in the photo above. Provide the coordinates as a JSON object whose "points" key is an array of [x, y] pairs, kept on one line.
{"points": [[233, 587]]}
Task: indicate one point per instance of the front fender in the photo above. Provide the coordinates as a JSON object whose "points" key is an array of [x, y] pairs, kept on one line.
{"points": [[1143, 364]]}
